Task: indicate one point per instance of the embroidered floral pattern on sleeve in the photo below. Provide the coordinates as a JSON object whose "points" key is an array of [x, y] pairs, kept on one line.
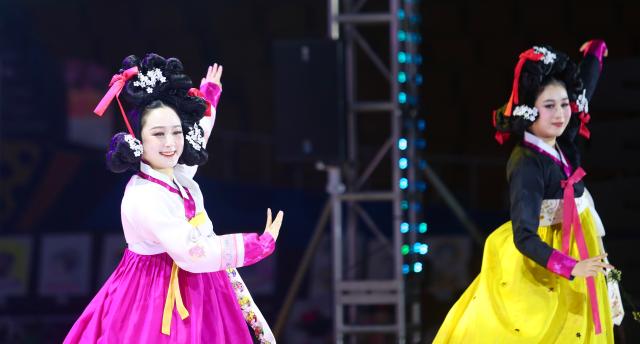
{"points": [[247, 307], [228, 243], [197, 251]]}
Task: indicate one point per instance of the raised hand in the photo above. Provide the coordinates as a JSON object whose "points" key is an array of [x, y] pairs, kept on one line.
{"points": [[591, 267], [595, 47], [273, 227], [214, 73]]}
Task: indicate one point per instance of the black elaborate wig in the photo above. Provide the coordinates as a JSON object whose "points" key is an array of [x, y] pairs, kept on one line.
{"points": [[537, 67], [160, 82]]}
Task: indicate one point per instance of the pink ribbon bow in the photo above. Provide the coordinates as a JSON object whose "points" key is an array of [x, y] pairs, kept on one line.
{"points": [[116, 85]]}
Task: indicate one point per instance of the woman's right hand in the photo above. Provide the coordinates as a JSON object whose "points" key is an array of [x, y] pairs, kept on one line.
{"points": [[591, 266], [273, 228]]}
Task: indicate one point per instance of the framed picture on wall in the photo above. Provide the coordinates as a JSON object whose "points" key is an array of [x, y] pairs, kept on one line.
{"points": [[65, 261], [15, 265]]}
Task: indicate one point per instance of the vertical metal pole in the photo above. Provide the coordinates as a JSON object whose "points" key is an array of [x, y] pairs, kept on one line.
{"points": [[335, 189], [333, 27], [395, 134], [352, 151]]}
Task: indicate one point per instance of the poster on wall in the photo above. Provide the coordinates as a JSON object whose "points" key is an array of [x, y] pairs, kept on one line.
{"points": [[86, 82], [65, 261], [15, 266]]}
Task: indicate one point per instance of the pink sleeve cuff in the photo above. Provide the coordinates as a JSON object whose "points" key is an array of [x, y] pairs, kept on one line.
{"points": [[561, 264], [257, 247], [597, 48], [212, 93]]}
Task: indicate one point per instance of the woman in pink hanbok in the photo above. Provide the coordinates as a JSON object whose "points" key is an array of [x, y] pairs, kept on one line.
{"points": [[177, 281]]}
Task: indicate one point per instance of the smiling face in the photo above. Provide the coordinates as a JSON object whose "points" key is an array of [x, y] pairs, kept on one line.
{"points": [[162, 139], [554, 113]]}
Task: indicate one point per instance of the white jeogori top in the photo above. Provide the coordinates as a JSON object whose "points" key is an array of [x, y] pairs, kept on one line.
{"points": [[154, 221]]}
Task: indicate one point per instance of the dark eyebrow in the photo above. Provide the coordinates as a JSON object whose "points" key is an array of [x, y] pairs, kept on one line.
{"points": [[161, 127], [552, 100]]}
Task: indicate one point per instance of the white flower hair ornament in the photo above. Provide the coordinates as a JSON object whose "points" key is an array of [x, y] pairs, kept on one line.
{"points": [[149, 80], [134, 144], [582, 102], [548, 57], [526, 112], [581, 106], [195, 137]]}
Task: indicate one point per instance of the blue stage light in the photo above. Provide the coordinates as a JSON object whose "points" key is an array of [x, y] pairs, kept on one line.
{"points": [[402, 97], [402, 35], [403, 57], [402, 77], [419, 79], [402, 143], [403, 163]]}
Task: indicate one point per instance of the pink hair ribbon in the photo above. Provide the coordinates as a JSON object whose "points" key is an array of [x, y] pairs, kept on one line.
{"points": [[116, 85]]}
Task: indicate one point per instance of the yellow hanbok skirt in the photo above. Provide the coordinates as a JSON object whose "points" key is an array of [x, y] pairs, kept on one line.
{"points": [[515, 300]]}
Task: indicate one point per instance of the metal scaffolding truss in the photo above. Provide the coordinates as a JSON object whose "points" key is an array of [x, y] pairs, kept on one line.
{"points": [[344, 20]]}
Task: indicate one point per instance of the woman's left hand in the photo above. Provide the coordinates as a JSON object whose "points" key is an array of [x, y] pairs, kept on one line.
{"points": [[273, 227], [214, 73]]}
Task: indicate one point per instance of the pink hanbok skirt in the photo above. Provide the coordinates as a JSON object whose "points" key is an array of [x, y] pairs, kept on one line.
{"points": [[129, 307]]}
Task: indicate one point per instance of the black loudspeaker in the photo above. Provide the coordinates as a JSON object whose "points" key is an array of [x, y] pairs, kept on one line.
{"points": [[309, 101]]}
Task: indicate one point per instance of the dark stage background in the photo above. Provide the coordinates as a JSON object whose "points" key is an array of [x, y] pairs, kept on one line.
{"points": [[57, 57]]}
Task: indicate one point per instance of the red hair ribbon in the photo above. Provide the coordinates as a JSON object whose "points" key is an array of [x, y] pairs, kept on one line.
{"points": [[500, 136], [116, 85], [530, 55], [584, 119], [194, 92]]}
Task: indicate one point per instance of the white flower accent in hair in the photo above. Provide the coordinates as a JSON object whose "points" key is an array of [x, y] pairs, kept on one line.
{"points": [[529, 113], [134, 144], [195, 137], [583, 102], [548, 57], [148, 81]]}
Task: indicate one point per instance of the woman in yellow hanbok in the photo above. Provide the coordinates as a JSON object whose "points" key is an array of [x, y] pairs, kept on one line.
{"points": [[542, 278]]}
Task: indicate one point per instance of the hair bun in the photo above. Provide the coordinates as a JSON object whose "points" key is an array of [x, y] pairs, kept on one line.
{"points": [[121, 157], [152, 61], [174, 66], [128, 62]]}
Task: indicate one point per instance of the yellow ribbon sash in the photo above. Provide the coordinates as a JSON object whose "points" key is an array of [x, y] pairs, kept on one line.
{"points": [[173, 293]]}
